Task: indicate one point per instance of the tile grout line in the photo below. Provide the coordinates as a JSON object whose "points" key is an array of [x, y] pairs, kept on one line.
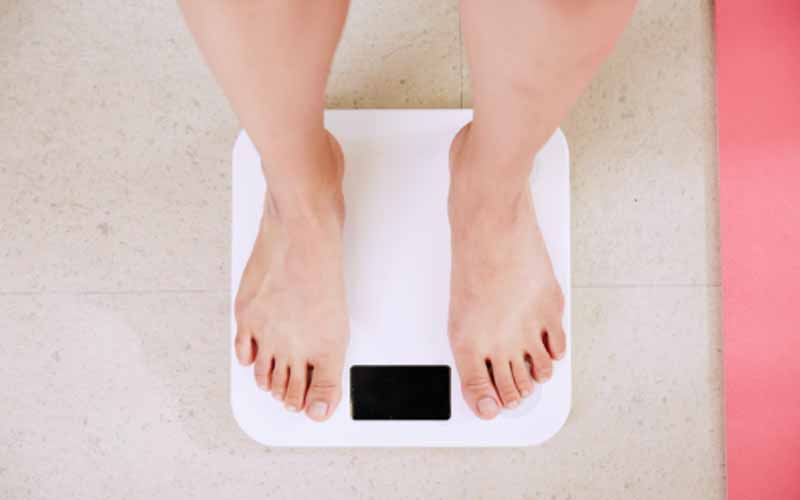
{"points": [[460, 59], [189, 291], [647, 285], [166, 291]]}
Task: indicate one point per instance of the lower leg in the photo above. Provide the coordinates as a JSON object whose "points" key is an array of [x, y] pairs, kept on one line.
{"points": [[272, 58], [529, 61]]}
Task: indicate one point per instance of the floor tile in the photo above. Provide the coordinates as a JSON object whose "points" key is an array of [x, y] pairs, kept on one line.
{"points": [[115, 173], [126, 395], [643, 142], [398, 55]]}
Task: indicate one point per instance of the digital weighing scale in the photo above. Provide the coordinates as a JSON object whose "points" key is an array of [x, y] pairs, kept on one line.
{"points": [[397, 271]]}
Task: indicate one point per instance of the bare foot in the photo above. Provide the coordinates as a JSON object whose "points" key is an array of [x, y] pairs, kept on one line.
{"points": [[291, 309], [505, 305]]}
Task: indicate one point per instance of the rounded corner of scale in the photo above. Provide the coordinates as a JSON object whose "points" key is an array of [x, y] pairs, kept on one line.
{"points": [[242, 423], [557, 424]]}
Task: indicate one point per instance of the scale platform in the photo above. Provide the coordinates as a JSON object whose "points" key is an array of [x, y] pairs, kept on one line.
{"points": [[397, 266]]}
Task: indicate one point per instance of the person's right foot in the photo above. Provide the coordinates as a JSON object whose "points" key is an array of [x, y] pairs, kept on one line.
{"points": [[291, 310]]}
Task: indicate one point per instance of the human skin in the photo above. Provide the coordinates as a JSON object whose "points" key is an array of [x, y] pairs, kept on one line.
{"points": [[529, 61]]}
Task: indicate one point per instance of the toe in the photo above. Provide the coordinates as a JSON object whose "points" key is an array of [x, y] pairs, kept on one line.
{"points": [[262, 369], [556, 342], [296, 388], [504, 381], [477, 387], [324, 389], [522, 376], [542, 365], [280, 377], [244, 346]]}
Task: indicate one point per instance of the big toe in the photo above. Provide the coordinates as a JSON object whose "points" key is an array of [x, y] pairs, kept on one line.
{"points": [[244, 346], [556, 341], [477, 387], [324, 389]]}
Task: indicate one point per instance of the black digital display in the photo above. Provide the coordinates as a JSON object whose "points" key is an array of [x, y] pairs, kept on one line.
{"points": [[400, 392]]}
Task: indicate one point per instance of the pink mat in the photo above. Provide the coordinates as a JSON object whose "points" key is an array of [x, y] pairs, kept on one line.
{"points": [[758, 57]]}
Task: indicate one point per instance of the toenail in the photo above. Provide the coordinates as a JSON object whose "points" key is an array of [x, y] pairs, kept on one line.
{"points": [[487, 407], [292, 408], [524, 392], [513, 404], [318, 410]]}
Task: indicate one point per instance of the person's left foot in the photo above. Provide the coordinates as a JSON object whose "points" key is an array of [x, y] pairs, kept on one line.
{"points": [[505, 303]]}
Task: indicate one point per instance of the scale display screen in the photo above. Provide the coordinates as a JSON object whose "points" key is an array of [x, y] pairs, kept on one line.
{"points": [[400, 392]]}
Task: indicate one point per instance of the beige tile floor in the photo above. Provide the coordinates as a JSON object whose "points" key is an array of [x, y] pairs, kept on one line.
{"points": [[114, 223]]}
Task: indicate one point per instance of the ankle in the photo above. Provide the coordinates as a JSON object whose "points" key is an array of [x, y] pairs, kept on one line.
{"points": [[305, 157], [471, 206], [305, 183], [477, 203], [490, 147], [488, 190], [315, 209]]}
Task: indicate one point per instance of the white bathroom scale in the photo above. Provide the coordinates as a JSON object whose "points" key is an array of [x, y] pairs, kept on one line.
{"points": [[397, 271]]}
